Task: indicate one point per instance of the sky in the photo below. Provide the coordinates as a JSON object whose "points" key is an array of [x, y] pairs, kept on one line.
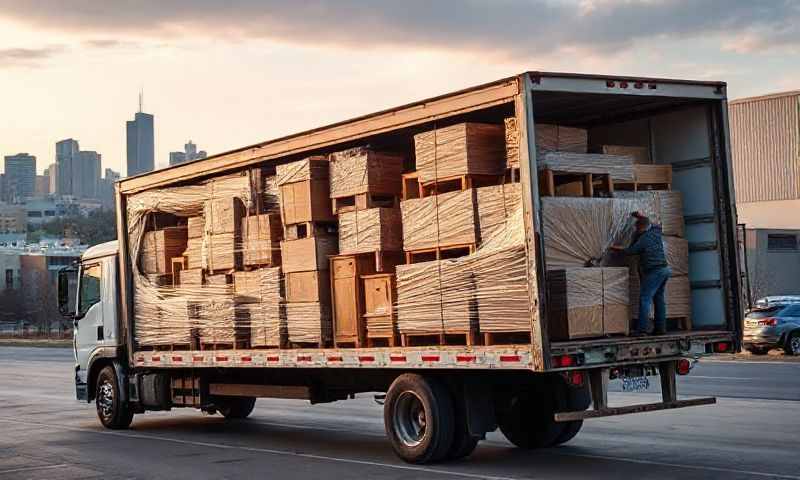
{"points": [[234, 73]]}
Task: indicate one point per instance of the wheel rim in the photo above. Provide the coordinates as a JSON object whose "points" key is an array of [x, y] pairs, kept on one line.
{"points": [[794, 345], [105, 399], [410, 421]]}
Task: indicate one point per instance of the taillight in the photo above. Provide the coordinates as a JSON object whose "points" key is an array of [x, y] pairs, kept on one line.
{"points": [[683, 366], [564, 361], [722, 347], [768, 322], [575, 378]]}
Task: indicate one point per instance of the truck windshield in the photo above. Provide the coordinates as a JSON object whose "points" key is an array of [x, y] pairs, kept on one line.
{"points": [[89, 288]]}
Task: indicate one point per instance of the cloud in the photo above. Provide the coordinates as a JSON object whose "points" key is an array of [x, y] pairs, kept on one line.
{"points": [[12, 57], [513, 28]]}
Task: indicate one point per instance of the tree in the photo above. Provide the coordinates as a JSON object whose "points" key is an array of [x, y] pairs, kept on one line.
{"points": [[97, 227]]}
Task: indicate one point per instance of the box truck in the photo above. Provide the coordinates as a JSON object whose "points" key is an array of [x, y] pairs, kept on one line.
{"points": [[459, 331]]}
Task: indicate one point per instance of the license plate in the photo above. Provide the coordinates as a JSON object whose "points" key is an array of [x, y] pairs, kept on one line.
{"points": [[635, 384], [751, 323]]}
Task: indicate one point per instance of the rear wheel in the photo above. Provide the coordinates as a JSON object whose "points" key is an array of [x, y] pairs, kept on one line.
{"points": [[418, 416], [235, 407], [463, 443], [792, 346], [527, 419], [112, 411]]}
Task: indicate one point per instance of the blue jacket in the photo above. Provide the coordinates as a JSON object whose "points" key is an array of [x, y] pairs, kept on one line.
{"points": [[650, 248]]}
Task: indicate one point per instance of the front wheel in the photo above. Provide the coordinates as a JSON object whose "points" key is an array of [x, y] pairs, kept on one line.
{"points": [[792, 346], [111, 410], [418, 416]]}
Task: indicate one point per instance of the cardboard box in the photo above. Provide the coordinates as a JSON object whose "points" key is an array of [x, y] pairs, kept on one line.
{"points": [[196, 227], [223, 252], [160, 246], [313, 286], [439, 220], [558, 138], [309, 322], [588, 302], [640, 155], [307, 254], [374, 229], [311, 168], [261, 236], [461, 149], [223, 215], [576, 303], [190, 277], [494, 207], [361, 170]]}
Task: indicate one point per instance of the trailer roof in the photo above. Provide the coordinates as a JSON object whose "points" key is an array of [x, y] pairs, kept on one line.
{"points": [[769, 96], [461, 101]]}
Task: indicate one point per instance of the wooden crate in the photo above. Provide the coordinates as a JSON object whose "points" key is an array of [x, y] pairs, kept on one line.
{"points": [[224, 252], [159, 247], [380, 296], [307, 254], [461, 149], [363, 201], [190, 277], [375, 229], [306, 201], [309, 229], [348, 298], [261, 236], [411, 186], [313, 286], [224, 215], [361, 170], [569, 184]]}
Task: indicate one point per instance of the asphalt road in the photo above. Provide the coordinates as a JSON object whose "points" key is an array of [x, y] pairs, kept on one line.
{"points": [[753, 432]]}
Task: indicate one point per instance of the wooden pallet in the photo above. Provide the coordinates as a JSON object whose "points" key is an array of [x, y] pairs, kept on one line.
{"points": [[512, 175], [237, 345], [382, 340], [446, 338], [458, 183], [439, 253], [506, 338], [363, 201], [411, 187], [641, 186], [586, 184], [177, 347], [308, 229]]}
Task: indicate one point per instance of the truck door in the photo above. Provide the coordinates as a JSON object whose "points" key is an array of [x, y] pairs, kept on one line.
{"points": [[89, 314]]}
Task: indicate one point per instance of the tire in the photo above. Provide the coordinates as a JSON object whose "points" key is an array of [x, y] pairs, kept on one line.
{"points": [[758, 350], [419, 420], [463, 443], [527, 419], [111, 410], [792, 346], [235, 408], [570, 430], [578, 399]]}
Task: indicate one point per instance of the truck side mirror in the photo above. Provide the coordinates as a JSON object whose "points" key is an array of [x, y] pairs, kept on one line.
{"points": [[67, 290]]}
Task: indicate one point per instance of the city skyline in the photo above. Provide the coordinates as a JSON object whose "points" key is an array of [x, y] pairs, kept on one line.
{"points": [[238, 74]]}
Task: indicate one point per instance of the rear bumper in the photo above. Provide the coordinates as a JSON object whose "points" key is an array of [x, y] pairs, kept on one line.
{"points": [[641, 408], [760, 340]]}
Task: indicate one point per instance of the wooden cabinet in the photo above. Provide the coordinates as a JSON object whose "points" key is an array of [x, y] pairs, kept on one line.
{"points": [[348, 297], [379, 299]]}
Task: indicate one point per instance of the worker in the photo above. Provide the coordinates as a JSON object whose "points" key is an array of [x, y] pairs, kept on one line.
{"points": [[653, 274]]}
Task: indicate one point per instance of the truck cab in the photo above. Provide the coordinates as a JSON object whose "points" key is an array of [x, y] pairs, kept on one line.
{"points": [[88, 295]]}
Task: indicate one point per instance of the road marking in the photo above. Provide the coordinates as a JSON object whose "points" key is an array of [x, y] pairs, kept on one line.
{"points": [[721, 378], [28, 469], [752, 362], [681, 465], [264, 450]]}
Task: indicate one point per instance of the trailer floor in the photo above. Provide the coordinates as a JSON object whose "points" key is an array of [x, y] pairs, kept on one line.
{"points": [[45, 434]]}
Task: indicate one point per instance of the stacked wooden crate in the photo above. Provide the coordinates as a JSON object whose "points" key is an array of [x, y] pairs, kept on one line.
{"points": [[159, 247], [259, 294], [306, 212], [365, 188]]}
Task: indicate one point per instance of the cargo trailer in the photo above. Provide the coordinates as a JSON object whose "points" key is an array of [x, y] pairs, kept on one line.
{"points": [[509, 340]]}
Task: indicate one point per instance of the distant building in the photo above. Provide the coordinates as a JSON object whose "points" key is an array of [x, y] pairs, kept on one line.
{"points": [[52, 175], [19, 177], [13, 218], [140, 143], [41, 210], [87, 175], [42, 185], [188, 154], [107, 188], [765, 147], [66, 157]]}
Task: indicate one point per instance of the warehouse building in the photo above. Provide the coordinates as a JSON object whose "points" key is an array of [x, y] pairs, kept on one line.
{"points": [[765, 145]]}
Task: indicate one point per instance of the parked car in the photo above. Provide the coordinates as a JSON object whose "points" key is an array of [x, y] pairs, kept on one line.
{"points": [[777, 300], [775, 326]]}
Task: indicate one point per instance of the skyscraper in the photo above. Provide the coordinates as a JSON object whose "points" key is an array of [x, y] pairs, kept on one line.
{"points": [[86, 175], [141, 145], [66, 157], [52, 174], [190, 153], [20, 176]]}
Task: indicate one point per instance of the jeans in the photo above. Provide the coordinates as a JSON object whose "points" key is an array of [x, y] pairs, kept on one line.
{"points": [[651, 291]]}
